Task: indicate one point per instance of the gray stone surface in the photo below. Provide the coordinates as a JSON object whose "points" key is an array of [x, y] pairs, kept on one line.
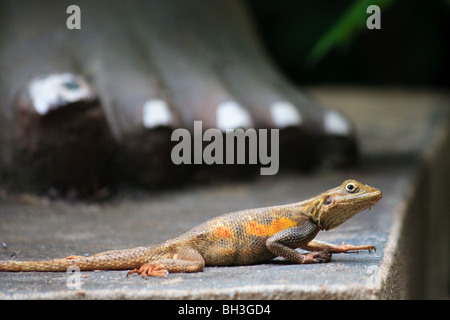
{"points": [[401, 133]]}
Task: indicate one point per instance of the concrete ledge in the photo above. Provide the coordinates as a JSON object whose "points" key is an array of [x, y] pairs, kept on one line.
{"points": [[405, 146]]}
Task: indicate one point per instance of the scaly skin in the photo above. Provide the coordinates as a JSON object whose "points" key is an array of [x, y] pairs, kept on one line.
{"points": [[238, 238]]}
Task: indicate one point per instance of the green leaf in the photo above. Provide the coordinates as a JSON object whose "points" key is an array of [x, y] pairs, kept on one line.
{"points": [[352, 22]]}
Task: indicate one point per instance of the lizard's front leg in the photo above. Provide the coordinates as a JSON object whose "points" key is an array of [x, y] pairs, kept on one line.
{"points": [[283, 244]]}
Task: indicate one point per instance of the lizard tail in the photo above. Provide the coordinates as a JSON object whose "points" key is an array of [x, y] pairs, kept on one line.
{"points": [[109, 260], [45, 265]]}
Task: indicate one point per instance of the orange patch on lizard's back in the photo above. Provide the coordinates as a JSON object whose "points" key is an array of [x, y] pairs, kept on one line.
{"points": [[258, 229], [223, 232]]}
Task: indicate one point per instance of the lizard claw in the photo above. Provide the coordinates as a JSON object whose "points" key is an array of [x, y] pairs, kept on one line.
{"points": [[366, 247], [323, 256], [317, 257], [151, 270], [369, 248]]}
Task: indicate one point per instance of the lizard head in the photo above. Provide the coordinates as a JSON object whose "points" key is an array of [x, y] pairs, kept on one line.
{"points": [[335, 206]]}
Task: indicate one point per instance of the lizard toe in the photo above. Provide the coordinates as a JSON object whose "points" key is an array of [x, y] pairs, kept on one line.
{"points": [[149, 269], [322, 256], [317, 257]]}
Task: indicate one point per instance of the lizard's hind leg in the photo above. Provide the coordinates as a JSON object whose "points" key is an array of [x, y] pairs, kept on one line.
{"points": [[185, 260]]}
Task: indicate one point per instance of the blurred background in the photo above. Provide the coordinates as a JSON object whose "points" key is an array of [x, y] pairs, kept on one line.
{"points": [[327, 41]]}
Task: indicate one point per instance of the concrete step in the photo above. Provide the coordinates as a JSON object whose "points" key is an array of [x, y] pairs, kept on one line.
{"points": [[405, 152]]}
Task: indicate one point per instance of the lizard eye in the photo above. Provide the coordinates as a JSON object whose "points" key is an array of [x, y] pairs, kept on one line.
{"points": [[351, 187]]}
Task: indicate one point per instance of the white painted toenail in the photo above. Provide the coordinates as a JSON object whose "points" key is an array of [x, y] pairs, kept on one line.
{"points": [[56, 90], [336, 124], [156, 113], [231, 115], [285, 114]]}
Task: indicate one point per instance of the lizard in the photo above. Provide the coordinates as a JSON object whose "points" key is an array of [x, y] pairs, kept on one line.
{"points": [[243, 237]]}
